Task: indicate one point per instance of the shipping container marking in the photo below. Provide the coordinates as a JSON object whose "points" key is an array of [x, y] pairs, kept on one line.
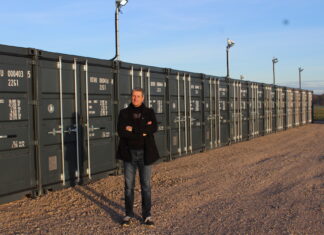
{"points": [[13, 76], [18, 144], [15, 109]]}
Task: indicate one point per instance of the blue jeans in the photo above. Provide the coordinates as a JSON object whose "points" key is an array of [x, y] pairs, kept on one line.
{"points": [[145, 180]]}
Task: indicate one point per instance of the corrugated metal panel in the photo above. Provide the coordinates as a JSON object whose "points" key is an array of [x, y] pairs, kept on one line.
{"points": [[17, 159]]}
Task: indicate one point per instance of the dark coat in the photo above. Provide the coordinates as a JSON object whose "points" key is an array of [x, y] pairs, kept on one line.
{"points": [[151, 153]]}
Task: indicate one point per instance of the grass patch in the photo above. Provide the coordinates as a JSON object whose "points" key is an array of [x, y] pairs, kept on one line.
{"points": [[318, 112]]}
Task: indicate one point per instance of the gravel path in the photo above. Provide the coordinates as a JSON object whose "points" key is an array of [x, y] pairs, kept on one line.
{"points": [[269, 185]]}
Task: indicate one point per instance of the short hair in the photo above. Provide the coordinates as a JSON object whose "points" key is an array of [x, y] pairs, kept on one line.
{"points": [[138, 89]]}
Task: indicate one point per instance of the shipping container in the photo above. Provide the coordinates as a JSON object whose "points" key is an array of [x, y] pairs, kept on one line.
{"points": [[59, 115]]}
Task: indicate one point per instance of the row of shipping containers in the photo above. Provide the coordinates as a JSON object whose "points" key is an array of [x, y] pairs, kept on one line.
{"points": [[58, 115]]}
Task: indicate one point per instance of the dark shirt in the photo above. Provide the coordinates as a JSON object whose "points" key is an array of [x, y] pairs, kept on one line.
{"points": [[138, 124]]}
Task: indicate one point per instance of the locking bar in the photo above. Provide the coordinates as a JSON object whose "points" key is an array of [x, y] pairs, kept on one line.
{"points": [[211, 112], [179, 114], [59, 65], [141, 76], [218, 113], [76, 130], [132, 77], [190, 114], [148, 75], [7, 136], [185, 112], [86, 69]]}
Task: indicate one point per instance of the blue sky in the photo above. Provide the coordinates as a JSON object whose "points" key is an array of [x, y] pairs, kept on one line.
{"points": [[182, 34]]}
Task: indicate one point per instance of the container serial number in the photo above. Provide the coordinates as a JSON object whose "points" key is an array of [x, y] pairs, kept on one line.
{"points": [[13, 82], [15, 73]]}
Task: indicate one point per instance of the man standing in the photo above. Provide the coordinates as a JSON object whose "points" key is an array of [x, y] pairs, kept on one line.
{"points": [[137, 148]]}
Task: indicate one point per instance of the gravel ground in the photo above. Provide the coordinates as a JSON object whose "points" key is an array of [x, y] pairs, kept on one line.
{"points": [[269, 185]]}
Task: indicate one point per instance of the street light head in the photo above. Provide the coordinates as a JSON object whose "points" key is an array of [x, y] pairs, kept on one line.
{"points": [[121, 3], [275, 60], [230, 43], [300, 69]]}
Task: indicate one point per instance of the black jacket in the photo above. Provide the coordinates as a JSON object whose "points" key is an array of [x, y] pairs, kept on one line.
{"points": [[125, 119]]}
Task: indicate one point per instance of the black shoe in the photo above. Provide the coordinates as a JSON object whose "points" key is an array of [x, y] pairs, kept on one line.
{"points": [[149, 222], [126, 221]]}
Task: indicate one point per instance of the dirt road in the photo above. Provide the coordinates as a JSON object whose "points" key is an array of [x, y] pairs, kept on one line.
{"points": [[269, 185]]}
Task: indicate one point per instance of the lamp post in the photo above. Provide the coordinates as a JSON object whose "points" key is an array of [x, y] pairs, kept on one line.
{"points": [[300, 70], [119, 5], [230, 43], [241, 77], [274, 61]]}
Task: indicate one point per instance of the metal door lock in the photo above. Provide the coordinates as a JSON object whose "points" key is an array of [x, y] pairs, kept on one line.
{"points": [[92, 128], [7, 136], [54, 132]]}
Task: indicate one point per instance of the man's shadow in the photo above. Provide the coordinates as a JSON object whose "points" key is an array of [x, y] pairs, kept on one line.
{"points": [[109, 206]]}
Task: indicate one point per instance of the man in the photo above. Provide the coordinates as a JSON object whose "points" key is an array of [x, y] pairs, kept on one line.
{"points": [[137, 148]]}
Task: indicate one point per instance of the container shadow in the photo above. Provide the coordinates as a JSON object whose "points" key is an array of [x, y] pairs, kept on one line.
{"points": [[318, 122], [109, 206]]}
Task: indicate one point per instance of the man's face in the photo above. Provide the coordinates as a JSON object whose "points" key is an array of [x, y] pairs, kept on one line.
{"points": [[137, 98]]}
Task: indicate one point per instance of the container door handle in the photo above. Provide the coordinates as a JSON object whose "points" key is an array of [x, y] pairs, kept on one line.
{"points": [[7, 136]]}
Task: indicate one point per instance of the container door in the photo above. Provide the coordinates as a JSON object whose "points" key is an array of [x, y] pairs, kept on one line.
{"points": [[261, 109], [273, 121], [212, 110], [235, 111], [155, 87], [98, 118], [224, 112], [297, 107], [17, 172], [304, 107], [195, 117], [244, 105], [267, 109], [179, 119], [58, 116], [279, 109], [254, 110]]}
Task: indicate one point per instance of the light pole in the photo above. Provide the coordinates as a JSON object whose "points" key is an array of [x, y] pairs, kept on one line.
{"points": [[300, 70], [241, 77], [230, 43], [274, 61], [119, 5]]}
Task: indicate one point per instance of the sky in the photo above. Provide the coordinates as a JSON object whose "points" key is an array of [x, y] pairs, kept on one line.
{"points": [[187, 35]]}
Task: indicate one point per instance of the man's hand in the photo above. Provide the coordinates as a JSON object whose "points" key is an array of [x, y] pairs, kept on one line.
{"points": [[129, 128], [149, 123], [144, 134]]}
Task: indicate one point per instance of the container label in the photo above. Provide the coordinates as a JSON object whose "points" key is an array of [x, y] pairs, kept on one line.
{"points": [[52, 163], [159, 104], [18, 144], [103, 82], [15, 109], [103, 108], [175, 140], [105, 134], [15, 73]]}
